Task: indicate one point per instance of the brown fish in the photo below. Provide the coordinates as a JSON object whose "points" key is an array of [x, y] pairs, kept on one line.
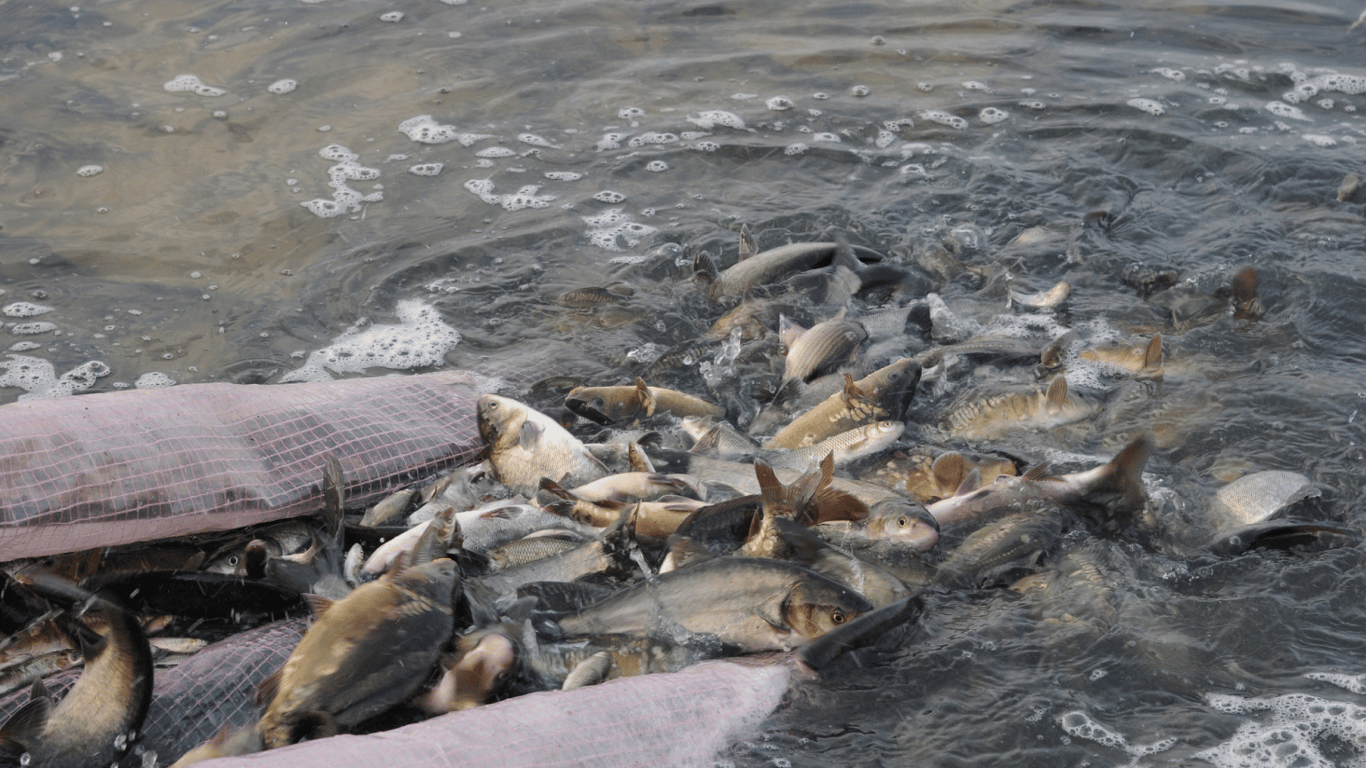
{"points": [[882, 394]]}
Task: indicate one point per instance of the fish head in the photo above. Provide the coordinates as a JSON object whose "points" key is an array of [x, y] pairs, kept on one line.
{"points": [[904, 521], [894, 385], [817, 605], [482, 665], [498, 418], [604, 405], [435, 581]]}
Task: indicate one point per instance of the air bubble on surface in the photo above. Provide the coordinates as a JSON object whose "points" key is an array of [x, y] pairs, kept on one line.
{"points": [[525, 197], [714, 117], [426, 169], [609, 229], [420, 339], [779, 103], [651, 137], [610, 141], [826, 137], [192, 83], [944, 118], [536, 141], [1171, 74], [32, 329], [90, 170], [706, 146], [154, 380], [25, 309], [656, 166], [1147, 105], [1300, 728], [859, 91], [38, 378], [282, 86], [391, 16], [608, 196], [563, 175], [425, 130], [630, 113], [344, 198], [1080, 725], [1319, 140], [492, 152], [1281, 109], [794, 149], [992, 115]]}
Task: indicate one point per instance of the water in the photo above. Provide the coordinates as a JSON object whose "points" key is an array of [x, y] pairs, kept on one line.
{"points": [[486, 159]]}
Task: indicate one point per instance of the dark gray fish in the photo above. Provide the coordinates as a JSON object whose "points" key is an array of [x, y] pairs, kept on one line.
{"points": [[773, 265]]}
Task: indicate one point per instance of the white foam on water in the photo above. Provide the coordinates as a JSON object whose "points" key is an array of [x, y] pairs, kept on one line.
{"points": [[714, 117], [610, 141], [344, 198], [426, 169], [1147, 105], [24, 346], [492, 152], [154, 380], [608, 196], [1319, 140], [826, 137], [38, 378], [944, 118], [693, 135], [1354, 683], [1080, 725], [1281, 109], [656, 166], [563, 175], [779, 103], [651, 137], [859, 91], [743, 96], [420, 339], [282, 86], [1293, 734], [32, 329], [1171, 74], [90, 170], [610, 228], [536, 141], [525, 197], [25, 309], [992, 115], [630, 113], [425, 130], [795, 149], [973, 85], [192, 83], [706, 146], [392, 16]]}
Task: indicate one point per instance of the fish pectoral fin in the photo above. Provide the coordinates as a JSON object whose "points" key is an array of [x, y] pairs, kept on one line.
{"points": [[647, 398], [971, 482], [772, 612], [1152, 356], [949, 470], [266, 689], [1038, 472], [21, 731], [90, 642], [1056, 397], [317, 604], [529, 435]]}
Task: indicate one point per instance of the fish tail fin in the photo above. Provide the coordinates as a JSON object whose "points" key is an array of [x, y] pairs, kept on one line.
{"points": [[1118, 485], [21, 731], [228, 742]]}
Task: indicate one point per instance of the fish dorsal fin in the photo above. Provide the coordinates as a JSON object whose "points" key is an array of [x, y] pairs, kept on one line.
{"points": [[554, 489], [317, 604], [1038, 472], [266, 690], [509, 512], [704, 267], [827, 470], [21, 731], [430, 545], [1152, 357], [529, 435], [397, 566], [851, 394], [971, 482], [748, 245], [638, 459], [1124, 473], [709, 442], [1056, 396], [770, 488], [646, 396], [834, 504], [948, 470], [90, 643]]}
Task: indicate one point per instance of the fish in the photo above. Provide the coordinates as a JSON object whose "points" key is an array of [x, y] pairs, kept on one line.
{"points": [[98, 719], [752, 604], [1145, 359], [525, 445], [608, 554], [390, 507], [805, 547], [773, 265], [1351, 182], [819, 349], [364, 654], [1114, 488], [739, 476], [999, 414], [794, 501], [749, 320], [1258, 497], [718, 439], [881, 395], [898, 520], [1048, 299], [844, 448], [859, 633], [930, 478], [999, 548], [624, 405]]}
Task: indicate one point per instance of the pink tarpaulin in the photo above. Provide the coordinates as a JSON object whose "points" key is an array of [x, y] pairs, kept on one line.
{"points": [[122, 467]]}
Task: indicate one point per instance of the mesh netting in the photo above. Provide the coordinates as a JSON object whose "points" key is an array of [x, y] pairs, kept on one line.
{"points": [[122, 467], [677, 719]]}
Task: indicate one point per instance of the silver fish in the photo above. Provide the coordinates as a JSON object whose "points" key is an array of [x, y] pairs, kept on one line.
{"points": [[526, 445], [999, 414]]}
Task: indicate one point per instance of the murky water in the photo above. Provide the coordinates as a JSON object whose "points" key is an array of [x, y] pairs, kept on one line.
{"points": [[439, 174]]}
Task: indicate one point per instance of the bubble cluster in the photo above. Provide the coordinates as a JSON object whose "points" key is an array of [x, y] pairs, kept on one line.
{"points": [[1171, 74], [25, 309], [656, 166], [608, 196], [1281, 109], [1147, 105], [944, 118], [523, 198], [494, 152], [90, 170], [282, 86], [1319, 140], [391, 16], [344, 198], [826, 137], [1299, 726], [714, 117], [563, 175], [426, 169], [992, 115], [32, 329], [38, 378], [610, 228], [859, 91], [646, 139], [794, 149], [420, 339], [536, 141], [192, 83], [1079, 725], [609, 141], [779, 103], [630, 113], [706, 146], [154, 380], [425, 130]]}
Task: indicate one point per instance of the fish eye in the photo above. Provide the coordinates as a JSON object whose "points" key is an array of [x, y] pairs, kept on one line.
{"points": [[234, 560], [598, 403], [837, 617], [903, 521]]}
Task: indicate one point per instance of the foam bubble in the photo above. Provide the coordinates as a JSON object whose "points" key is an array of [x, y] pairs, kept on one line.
{"points": [[884, 138], [1032, 104], [1281, 109], [609, 141], [1299, 726], [779, 103], [192, 83], [706, 146], [794, 149], [523, 198], [563, 175], [492, 152], [154, 380], [944, 118], [25, 309], [420, 339], [992, 115], [536, 141], [282, 86], [39, 378], [90, 170], [860, 91], [973, 85], [426, 169], [344, 198], [827, 137], [743, 96], [1319, 140], [656, 166], [1080, 725], [427, 131], [714, 117], [391, 16], [1147, 105], [630, 113], [652, 138], [1171, 74], [32, 329], [608, 196], [613, 226], [1354, 683]]}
